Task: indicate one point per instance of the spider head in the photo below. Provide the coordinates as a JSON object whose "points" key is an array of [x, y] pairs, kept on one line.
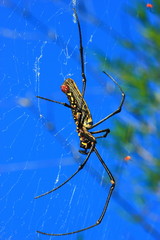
{"points": [[65, 88]]}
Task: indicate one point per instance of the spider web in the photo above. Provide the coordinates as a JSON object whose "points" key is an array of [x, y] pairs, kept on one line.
{"points": [[39, 146]]}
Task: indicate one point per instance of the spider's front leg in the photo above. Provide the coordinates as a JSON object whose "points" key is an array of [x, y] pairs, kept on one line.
{"points": [[81, 55], [50, 100], [120, 105]]}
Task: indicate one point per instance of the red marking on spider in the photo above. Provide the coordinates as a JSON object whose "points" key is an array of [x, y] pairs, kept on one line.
{"points": [[149, 5], [127, 158], [64, 88]]}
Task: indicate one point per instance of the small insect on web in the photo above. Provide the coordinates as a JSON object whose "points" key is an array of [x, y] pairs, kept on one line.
{"points": [[84, 123]]}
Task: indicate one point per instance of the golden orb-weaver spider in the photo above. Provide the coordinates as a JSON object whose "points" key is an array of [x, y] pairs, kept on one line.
{"points": [[84, 123]]}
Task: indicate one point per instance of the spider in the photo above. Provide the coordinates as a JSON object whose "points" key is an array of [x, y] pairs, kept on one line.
{"points": [[84, 124]]}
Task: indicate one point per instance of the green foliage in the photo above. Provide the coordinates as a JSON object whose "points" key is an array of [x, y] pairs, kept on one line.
{"points": [[140, 131]]}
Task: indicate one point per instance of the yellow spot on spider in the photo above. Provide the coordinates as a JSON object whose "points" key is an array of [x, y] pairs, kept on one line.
{"points": [[112, 182], [72, 99], [85, 144], [89, 120]]}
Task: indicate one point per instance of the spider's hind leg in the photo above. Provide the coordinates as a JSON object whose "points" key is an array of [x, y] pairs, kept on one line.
{"points": [[79, 169], [83, 151], [106, 131]]}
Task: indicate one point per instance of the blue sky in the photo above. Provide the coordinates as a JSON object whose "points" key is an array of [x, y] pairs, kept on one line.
{"points": [[39, 149]]}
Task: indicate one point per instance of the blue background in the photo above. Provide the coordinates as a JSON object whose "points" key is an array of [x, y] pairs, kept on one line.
{"points": [[39, 144]]}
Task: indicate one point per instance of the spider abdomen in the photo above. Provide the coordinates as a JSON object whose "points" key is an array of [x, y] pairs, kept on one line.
{"points": [[80, 110]]}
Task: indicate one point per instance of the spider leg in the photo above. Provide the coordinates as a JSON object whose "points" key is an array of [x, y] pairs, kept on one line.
{"points": [[118, 109], [105, 205], [81, 54], [100, 131], [79, 169], [112, 181], [62, 103]]}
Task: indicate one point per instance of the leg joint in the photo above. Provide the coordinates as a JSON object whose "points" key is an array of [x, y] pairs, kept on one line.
{"points": [[98, 221], [81, 166], [113, 183]]}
